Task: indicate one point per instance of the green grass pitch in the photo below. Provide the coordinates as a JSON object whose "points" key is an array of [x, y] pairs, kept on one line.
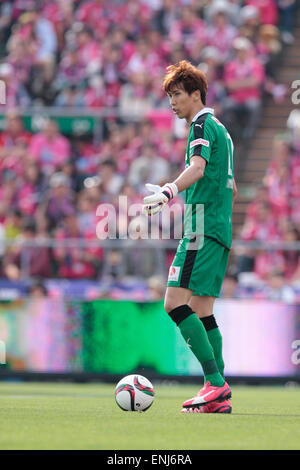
{"points": [[85, 416]]}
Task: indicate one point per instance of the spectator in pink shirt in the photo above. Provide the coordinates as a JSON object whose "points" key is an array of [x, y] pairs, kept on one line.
{"points": [[31, 189], [221, 33], [87, 219], [20, 59], [295, 177], [19, 6], [89, 51], [291, 257], [112, 65], [87, 12], [94, 95], [188, 29], [86, 158], [13, 132], [96, 15], [8, 192], [268, 10], [50, 148], [61, 15], [144, 60], [266, 261], [159, 44], [135, 17], [279, 190], [39, 261], [243, 77], [15, 91], [14, 146], [111, 180], [281, 151], [46, 41], [134, 95], [59, 201], [72, 69], [165, 16], [119, 39], [262, 196], [278, 178], [264, 227], [212, 59], [295, 191], [76, 262]]}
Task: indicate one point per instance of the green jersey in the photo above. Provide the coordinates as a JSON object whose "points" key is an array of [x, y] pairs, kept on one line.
{"points": [[212, 194]]}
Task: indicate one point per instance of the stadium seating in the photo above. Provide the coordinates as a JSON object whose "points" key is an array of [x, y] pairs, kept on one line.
{"points": [[85, 115]]}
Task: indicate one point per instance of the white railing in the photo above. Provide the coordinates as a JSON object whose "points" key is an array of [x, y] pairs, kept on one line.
{"points": [[159, 247]]}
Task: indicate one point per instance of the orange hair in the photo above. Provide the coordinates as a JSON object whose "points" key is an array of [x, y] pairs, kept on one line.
{"points": [[186, 75]]}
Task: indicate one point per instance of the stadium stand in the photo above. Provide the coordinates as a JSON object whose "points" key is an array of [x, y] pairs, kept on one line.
{"points": [[267, 206], [85, 120]]}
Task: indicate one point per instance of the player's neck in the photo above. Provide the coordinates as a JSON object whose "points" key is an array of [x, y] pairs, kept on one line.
{"points": [[195, 110]]}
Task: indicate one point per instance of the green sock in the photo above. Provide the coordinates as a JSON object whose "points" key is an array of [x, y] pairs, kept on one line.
{"points": [[195, 335], [215, 339]]}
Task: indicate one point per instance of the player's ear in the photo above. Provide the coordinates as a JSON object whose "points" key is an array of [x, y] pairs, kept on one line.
{"points": [[196, 95]]}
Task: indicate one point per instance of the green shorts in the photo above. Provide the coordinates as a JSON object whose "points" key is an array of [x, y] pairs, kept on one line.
{"points": [[203, 269]]}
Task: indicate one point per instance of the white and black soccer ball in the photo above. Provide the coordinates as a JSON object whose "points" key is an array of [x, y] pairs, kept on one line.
{"points": [[134, 393]]}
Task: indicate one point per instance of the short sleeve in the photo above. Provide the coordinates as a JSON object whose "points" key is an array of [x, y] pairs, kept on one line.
{"points": [[203, 140]]}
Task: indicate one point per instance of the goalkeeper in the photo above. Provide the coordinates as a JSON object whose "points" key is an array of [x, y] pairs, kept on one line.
{"points": [[198, 269]]}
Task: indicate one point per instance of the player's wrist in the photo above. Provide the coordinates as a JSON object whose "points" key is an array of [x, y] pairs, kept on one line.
{"points": [[170, 190]]}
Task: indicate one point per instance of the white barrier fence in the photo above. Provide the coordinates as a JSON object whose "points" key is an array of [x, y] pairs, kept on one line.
{"points": [[159, 248]]}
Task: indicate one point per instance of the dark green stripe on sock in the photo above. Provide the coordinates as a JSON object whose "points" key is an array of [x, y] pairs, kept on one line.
{"points": [[215, 339], [209, 367]]}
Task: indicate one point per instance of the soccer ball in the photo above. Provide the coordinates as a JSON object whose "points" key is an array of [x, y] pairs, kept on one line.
{"points": [[134, 393]]}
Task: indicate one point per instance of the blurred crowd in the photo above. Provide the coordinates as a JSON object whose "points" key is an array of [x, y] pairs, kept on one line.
{"points": [[100, 55], [274, 216], [59, 188]]}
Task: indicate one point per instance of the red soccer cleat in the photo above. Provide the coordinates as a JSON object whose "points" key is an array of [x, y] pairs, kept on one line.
{"points": [[213, 407], [208, 394]]}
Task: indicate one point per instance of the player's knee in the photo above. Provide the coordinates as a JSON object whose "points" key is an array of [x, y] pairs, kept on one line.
{"points": [[169, 305], [180, 313]]}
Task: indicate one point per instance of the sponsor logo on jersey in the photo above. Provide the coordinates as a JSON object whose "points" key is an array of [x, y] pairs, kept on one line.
{"points": [[217, 121], [199, 142], [174, 273]]}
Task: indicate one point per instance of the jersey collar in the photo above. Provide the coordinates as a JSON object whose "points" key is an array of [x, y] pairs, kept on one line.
{"points": [[203, 111]]}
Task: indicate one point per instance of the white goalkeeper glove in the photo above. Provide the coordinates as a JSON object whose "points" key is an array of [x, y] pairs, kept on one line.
{"points": [[161, 197]]}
